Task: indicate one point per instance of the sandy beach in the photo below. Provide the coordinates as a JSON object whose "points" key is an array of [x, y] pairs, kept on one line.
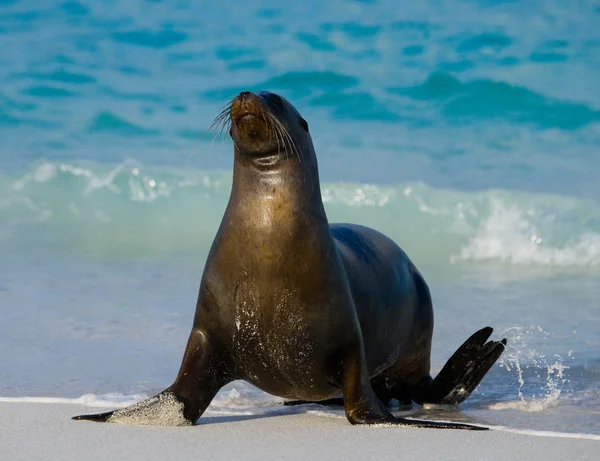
{"points": [[45, 431]]}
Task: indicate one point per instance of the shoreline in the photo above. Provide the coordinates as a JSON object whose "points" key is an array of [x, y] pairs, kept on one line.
{"points": [[33, 430]]}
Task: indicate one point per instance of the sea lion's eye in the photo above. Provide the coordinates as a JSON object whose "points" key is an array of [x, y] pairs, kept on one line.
{"points": [[304, 124]]}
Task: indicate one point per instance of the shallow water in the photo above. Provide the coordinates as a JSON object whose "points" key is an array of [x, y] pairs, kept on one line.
{"points": [[467, 131]]}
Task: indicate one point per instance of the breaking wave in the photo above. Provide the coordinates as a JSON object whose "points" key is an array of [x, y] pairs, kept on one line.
{"points": [[142, 209]]}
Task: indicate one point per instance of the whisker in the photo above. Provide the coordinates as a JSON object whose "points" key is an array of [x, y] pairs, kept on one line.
{"points": [[277, 128], [221, 122], [277, 133], [283, 133], [262, 113], [218, 119], [293, 145]]}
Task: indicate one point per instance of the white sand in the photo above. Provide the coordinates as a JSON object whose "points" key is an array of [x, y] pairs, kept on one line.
{"points": [[45, 431]]}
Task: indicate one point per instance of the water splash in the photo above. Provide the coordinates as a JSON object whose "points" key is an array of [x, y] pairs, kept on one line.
{"points": [[518, 357]]}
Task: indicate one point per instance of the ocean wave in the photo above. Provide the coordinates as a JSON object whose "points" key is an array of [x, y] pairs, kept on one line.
{"points": [[509, 234], [89, 400], [489, 99], [47, 92], [164, 38], [109, 122], [296, 85], [159, 209], [535, 433], [59, 76], [447, 97]]}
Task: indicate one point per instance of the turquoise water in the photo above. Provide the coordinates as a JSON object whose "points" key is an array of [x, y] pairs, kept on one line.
{"points": [[467, 131]]}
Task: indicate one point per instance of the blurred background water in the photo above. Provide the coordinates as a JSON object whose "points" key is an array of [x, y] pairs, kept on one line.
{"points": [[469, 131]]}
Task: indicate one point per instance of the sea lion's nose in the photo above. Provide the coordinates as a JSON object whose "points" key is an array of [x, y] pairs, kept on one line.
{"points": [[243, 104]]}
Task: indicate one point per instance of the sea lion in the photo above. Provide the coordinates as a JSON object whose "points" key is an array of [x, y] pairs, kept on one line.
{"points": [[303, 309]]}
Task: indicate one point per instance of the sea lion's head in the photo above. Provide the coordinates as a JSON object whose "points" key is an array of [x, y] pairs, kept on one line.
{"points": [[267, 129]]}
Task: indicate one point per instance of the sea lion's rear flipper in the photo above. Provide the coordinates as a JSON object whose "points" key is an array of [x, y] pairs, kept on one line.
{"points": [[362, 406], [463, 372], [200, 378]]}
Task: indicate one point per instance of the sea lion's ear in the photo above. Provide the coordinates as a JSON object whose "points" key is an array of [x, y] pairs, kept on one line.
{"points": [[304, 124]]}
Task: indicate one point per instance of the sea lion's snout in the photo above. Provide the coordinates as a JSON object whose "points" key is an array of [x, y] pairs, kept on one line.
{"points": [[265, 128], [255, 126], [244, 105]]}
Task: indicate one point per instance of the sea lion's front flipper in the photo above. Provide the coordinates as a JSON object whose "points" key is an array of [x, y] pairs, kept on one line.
{"points": [[164, 409], [464, 371], [362, 406], [98, 418], [334, 402], [200, 378]]}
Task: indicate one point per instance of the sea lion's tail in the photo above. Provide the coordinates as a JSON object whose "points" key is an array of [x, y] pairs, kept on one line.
{"points": [[464, 371]]}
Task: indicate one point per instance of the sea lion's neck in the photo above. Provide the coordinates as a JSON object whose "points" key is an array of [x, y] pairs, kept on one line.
{"points": [[281, 197]]}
